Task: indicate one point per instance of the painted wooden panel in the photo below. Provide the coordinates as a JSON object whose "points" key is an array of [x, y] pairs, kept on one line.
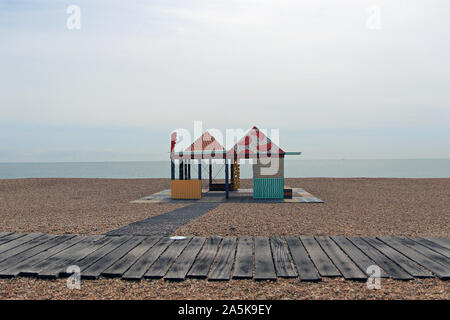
{"points": [[262, 168], [186, 189], [268, 188]]}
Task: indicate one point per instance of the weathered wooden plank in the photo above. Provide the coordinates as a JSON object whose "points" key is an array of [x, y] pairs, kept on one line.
{"points": [[322, 262], [26, 246], [8, 267], [357, 256], [438, 269], [264, 267], [281, 258], [444, 242], [141, 266], [243, 266], [407, 264], [95, 270], [165, 261], [26, 267], [53, 266], [18, 242], [431, 254], [119, 267], [183, 263], [205, 258], [433, 246], [221, 270], [344, 264], [305, 267], [381, 260], [2, 234], [96, 255], [10, 237]]}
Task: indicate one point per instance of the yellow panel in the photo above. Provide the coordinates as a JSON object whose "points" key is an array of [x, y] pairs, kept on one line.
{"points": [[186, 189]]}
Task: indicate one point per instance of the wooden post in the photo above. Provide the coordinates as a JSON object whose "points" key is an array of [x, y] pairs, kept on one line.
{"points": [[231, 176], [210, 171], [172, 170], [181, 170], [189, 170], [227, 187]]}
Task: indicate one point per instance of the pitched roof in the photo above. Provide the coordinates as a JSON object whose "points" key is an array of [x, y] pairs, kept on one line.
{"points": [[254, 144], [205, 143]]}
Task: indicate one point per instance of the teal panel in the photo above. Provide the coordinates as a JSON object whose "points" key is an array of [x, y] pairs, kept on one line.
{"points": [[268, 188]]}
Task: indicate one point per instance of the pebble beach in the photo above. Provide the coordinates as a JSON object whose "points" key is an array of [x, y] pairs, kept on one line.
{"points": [[372, 207]]}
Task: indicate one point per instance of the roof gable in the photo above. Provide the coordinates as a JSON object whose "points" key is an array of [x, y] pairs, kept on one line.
{"points": [[255, 142], [205, 143]]}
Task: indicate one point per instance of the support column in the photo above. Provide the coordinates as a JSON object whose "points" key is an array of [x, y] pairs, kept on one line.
{"points": [[210, 171], [231, 176], [189, 170], [172, 169], [185, 171], [227, 187], [181, 170]]}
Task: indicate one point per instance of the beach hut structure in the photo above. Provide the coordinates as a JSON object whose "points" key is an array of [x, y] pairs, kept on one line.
{"points": [[268, 163], [268, 166], [205, 148]]}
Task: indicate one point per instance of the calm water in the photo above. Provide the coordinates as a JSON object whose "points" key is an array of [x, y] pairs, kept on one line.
{"points": [[417, 168]]}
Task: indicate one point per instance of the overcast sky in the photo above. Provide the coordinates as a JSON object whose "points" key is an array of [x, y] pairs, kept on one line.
{"points": [[339, 79]]}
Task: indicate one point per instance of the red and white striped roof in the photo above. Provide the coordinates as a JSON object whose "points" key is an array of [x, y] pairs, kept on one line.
{"points": [[255, 144], [205, 143], [205, 147]]}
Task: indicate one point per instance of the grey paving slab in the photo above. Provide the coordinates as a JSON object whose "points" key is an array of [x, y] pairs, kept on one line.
{"points": [[165, 224]]}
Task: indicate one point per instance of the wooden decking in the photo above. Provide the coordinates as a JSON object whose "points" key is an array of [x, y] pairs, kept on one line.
{"points": [[222, 258]]}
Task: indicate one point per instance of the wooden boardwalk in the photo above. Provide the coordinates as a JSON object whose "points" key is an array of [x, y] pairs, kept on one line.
{"points": [[216, 258]]}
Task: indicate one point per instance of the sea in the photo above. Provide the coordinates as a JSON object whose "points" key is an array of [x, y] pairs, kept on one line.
{"points": [[395, 168]]}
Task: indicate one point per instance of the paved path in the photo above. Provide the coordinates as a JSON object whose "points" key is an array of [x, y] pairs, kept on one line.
{"points": [[222, 258], [166, 223]]}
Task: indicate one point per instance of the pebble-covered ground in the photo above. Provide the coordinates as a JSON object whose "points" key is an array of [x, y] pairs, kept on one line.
{"points": [[29, 288], [79, 206], [371, 207], [352, 207]]}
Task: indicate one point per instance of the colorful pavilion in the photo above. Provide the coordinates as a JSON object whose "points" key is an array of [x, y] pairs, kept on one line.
{"points": [[268, 166]]}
